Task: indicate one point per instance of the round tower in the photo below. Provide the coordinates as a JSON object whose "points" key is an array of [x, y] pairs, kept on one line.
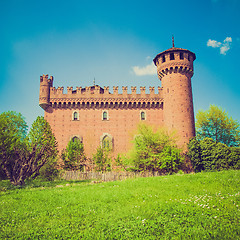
{"points": [[44, 94], [175, 69]]}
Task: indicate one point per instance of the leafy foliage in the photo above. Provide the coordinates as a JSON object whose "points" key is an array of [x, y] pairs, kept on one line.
{"points": [[102, 160], [41, 137], [209, 155], [13, 131], [23, 156], [155, 151], [74, 157], [215, 123]]}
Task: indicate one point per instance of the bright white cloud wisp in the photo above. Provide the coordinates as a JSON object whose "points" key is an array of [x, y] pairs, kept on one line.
{"points": [[147, 70], [213, 43], [224, 47]]}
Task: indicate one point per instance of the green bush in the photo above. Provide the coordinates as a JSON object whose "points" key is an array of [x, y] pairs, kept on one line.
{"points": [[74, 157], [155, 151], [102, 160], [208, 155]]}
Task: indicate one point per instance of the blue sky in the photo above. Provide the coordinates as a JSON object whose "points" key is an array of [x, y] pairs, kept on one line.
{"points": [[115, 42]]}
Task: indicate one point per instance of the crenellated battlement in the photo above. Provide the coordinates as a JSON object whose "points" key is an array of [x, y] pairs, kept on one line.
{"points": [[96, 96], [98, 92]]}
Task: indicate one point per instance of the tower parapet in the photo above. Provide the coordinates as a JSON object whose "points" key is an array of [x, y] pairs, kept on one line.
{"points": [[175, 69]]}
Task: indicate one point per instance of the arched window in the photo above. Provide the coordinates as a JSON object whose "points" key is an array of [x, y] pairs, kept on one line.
{"points": [[106, 141], [75, 116], [76, 138], [143, 115], [105, 115]]}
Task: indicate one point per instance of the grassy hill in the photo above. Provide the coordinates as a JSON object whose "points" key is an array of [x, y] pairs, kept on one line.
{"points": [[193, 206]]}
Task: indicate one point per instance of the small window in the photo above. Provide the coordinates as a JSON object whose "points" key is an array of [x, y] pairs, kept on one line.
{"points": [[105, 115], [189, 58], [143, 116], [163, 59], [75, 116], [172, 56], [181, 55]]}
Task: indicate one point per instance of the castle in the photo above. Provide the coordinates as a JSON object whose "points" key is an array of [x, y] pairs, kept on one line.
{"points": [[98, 117]]}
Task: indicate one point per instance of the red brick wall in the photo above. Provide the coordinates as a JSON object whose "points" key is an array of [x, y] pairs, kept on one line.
{"points": [[90, 127]]}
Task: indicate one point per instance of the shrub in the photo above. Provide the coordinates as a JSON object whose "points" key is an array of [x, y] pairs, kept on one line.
{"points": [[155, 151], [209, 155], [74, 157], [102, 160]]}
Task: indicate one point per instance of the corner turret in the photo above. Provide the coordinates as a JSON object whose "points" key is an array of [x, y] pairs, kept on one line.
{"points": [[44, 94]]}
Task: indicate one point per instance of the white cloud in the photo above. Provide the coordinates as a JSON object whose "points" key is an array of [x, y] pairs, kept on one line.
{"points": [[224, 47], [147, 70], [213, 43], [228, 39]]}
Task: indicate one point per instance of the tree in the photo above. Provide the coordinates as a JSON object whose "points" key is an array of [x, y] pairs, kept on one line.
{"points": [[74, 157], [155, 151], [23, 156], [101, 159], [41, 139], [215, 123], [208, 155], [13, 131]]}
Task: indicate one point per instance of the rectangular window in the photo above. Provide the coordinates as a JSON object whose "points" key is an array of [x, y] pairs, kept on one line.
{"points": [[181, 55], [163, 59], [143, 117], [105, 116], [172, 56]]}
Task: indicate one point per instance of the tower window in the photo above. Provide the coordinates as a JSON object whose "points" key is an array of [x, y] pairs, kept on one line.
{"points": [[75, 116], [172, 56], [189, 58], [163, 59], [105, 115], [181, 55], [143, 115]]}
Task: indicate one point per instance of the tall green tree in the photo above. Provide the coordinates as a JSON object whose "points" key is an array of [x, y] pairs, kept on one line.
{"points": [[101, 159], [216, 124], [23, 156], [42, 142], [155, 151], [74, 157], [13, 131]]}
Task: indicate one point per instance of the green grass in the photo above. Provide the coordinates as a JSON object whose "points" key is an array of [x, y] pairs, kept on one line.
{"points": [[193, 206]]}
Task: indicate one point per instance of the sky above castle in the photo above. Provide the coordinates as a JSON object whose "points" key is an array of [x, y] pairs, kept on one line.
{"points": [[115, 43]]}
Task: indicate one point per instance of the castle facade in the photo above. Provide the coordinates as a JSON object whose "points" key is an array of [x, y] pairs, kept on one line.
{"points": [[98, 116]]}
